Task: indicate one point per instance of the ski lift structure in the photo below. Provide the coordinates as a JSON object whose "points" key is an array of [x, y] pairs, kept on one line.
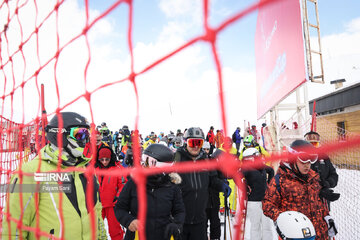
{"points": [[314, 65]]}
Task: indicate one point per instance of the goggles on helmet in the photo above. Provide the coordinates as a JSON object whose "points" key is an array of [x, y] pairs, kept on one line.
{"points": [[195, 142], [79, 134], [247, 144], [307, 157], [315, 144]]}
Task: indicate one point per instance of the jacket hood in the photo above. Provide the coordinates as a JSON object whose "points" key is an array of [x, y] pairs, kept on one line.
{"points": [[175, 178]]}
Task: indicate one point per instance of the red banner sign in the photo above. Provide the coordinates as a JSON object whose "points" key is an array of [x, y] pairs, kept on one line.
{"points": [[280, 54]]}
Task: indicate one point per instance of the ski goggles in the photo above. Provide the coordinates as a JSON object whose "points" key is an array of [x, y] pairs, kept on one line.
{"points": [[79, 134], [315, 144], [307, 157], [149, 161], [195, 142], [247, 144]]}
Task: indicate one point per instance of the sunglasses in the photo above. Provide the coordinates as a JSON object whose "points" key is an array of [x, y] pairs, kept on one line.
{"points": [[79, 133], [206, 149], [195, 142], [307, 158], [104, 159]]}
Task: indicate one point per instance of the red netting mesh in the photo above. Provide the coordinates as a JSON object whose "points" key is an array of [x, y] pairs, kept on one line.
{"points": [[21, 141]]}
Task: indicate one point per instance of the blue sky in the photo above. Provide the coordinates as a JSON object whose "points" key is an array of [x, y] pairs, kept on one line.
{"points": [[183, 91], [235, 44]]}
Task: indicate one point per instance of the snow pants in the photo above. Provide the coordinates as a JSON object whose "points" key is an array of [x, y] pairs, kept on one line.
{"points": [[215, 228], [232, 198], [260, 226], [115, 230], [194, 231]]}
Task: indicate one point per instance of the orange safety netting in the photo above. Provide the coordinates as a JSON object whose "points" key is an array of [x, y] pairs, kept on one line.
{"points": [[9, 162]]}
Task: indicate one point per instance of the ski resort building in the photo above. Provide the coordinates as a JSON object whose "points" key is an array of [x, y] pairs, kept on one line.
{"points": [[338, 117]]}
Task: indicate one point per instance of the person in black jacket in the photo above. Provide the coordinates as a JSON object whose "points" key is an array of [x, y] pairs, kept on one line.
{"points": [[325, 169], [165, 208], [213, 206], [257, 180], [195, 186]]}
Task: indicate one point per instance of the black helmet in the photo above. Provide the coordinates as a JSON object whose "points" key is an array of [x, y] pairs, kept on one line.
{"points": [[194, 132], [103, 124], [70, 119], [301, 144], [159, 152]]}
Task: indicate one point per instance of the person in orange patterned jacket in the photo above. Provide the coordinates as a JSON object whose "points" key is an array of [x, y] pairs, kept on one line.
{"points": [[296, 187]]}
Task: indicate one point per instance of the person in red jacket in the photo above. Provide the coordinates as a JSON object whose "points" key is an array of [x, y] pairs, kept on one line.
{"points": [[110, 188], [88, 151], [296, 187], [210, 137]]}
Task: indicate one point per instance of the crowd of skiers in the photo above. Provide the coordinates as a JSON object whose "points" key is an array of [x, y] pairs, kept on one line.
{"points": [[179, 205]]}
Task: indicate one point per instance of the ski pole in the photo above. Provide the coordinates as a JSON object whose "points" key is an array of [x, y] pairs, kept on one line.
{"points": [[225, 203], [327, 208], [229, 226]]}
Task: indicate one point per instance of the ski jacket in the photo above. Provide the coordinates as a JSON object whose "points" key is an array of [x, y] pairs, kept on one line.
{"points": [[195, 188], [257, 180], [289, 192], [115, 139], [110, 186], [261, 150], [211, 137], [148, 143], [163, 202], [326, 171], [219, 139], [237, 137], [75, 212]]}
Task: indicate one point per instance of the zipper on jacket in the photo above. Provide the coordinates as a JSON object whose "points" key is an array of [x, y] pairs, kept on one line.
{"points": [[199, 180], [191, 181], [196, 185]]}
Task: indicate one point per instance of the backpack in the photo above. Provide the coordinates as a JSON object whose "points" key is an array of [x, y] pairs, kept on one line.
{"points": [[234, 137]]}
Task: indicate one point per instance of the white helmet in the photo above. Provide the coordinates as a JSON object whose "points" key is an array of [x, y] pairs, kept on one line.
{"points": [[206, 145], [250, 153], [294, 225]]}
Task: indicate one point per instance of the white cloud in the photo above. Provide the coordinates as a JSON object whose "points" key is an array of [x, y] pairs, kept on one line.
{"points": [[341, 55], [180, 8], [180, 92], [353, 25]]}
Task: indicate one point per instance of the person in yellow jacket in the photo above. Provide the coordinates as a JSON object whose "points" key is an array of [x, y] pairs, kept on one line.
{"points": [[152, 140], [250, 142], [34, 198], [227, 144]]}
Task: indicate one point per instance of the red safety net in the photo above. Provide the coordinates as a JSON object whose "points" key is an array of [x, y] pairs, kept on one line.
{"points": [[21, 141]]}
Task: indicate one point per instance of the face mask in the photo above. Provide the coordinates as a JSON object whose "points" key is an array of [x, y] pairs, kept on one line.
{"points": [[73, 148]]}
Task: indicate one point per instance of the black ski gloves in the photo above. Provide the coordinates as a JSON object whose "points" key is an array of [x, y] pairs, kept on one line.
{"points": [[329, 194], [325, 184], [172, 229]]}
